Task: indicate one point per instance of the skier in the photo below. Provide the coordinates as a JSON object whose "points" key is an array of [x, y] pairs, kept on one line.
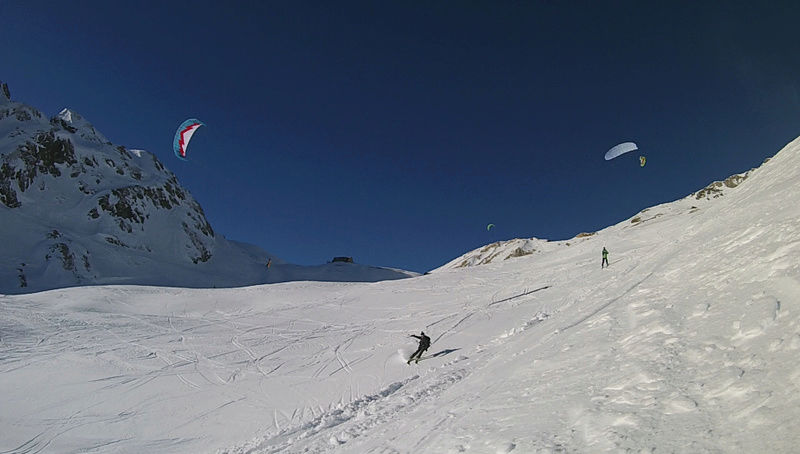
{"points": [[424, 343], [605, 258]]}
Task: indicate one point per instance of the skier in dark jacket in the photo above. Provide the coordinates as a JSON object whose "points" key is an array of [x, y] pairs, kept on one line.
{"points": [[424, 343], [605, 258]]}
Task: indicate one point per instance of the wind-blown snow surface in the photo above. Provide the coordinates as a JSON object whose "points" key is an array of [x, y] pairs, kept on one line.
{"points": [[689, 342]]}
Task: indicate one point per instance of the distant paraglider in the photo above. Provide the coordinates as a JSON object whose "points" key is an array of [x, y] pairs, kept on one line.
{"points": [[489, 227], [183, 135], [620, 150], [623, 148]]}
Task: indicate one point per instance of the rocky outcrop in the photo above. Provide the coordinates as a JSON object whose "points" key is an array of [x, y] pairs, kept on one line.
{"points": [[44, 155], [716, 189]]}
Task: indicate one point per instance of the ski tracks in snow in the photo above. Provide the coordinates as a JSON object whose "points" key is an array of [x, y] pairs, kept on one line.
{"points": [[348, 422], [373, 423]]}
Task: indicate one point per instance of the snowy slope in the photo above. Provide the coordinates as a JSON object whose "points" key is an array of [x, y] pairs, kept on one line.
{"points": [[501, 250], [687, 343], [77, 210], [521, 247]]}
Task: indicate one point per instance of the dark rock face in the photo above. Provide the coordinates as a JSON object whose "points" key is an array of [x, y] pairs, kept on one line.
{"points": [[20, 113], [8, 196], [40, 156], [131, 206]]}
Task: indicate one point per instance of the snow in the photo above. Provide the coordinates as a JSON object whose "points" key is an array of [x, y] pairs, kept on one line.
{"points": [[688, 342], [66, 115]]}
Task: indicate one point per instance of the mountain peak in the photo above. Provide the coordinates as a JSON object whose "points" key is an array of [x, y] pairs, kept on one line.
{"points": [[76, 121], [69, 116]]}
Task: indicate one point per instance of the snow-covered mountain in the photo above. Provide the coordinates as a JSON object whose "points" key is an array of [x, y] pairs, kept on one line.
{"points": [[521, 247], [688, 342], [76, 209]]}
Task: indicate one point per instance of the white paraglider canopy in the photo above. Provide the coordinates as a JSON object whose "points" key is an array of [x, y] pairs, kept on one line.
{"points": [[620, 149]]}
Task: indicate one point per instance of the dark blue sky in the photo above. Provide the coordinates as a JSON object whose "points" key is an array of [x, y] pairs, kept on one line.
{"points": [[395, 131]]}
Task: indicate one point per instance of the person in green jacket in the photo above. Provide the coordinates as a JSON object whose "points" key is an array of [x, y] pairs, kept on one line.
{"points": [[605, 258]]}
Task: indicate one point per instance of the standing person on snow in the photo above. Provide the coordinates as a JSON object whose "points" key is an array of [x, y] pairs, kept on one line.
{"points": [[424, 343], [605, 258]]}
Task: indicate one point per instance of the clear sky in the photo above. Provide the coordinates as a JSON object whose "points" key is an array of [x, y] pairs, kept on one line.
{"points": [[395, 131]]}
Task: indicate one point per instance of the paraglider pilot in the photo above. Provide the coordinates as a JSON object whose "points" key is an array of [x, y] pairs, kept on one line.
{"points": [[424, 343]]}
